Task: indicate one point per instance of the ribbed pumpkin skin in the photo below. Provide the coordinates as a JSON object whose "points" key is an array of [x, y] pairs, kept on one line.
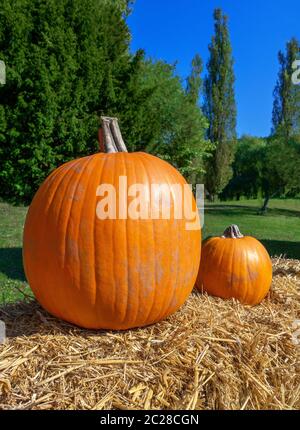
{"points": [[113, 274], [235, 268]]}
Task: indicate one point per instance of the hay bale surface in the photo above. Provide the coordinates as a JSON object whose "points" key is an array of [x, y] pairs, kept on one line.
{"points": [[212, 354]]}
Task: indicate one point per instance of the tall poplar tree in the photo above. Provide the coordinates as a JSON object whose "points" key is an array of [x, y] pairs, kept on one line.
{"points": [[286, 107], [220, 107], [194, 87], [194, 81], [284, 148]]}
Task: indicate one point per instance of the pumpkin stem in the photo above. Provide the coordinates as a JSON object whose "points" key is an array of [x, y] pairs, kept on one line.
{"points": [[232, 232], [110, 137]]}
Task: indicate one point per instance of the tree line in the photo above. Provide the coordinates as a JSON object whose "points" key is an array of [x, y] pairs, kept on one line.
{"points": [[68, 62], [269, 166]]}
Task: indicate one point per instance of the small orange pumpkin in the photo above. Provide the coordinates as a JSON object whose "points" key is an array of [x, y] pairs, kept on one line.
{"points": [[108, 273], [235, 266]]}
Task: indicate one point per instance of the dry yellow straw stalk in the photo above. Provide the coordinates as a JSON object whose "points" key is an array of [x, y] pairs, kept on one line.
{"points": [[212, 354]]}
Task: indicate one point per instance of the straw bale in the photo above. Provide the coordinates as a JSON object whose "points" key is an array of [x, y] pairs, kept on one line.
{"points": [[211, 354]]}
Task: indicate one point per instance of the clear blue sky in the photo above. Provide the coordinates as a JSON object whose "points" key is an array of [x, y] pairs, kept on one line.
{"points": [[174, 30]]}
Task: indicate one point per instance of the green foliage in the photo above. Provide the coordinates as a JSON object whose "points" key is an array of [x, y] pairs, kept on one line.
{"points": [[194, 81], [249, 169], [255, 173], [62, 59], [160, 118], [286, 107], [68, 62], [220, 107], [285, 139], [270, 167], [284, 156]]}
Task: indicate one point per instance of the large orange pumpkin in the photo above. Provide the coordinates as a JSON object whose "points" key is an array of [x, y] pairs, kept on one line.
{"points": [[235, 266], [108, 273]]}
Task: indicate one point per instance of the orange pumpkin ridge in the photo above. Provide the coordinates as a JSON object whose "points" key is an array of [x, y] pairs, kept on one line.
{"points": [[235, 266], [108, 273]]}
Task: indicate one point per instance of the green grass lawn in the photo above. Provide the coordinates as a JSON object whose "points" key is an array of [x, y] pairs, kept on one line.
{"points": [[12, 278], [279, 230]]}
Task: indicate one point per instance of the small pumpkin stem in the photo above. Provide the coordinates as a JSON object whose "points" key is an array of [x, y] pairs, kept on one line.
{"points": [[110, 137], [232, 232]]}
